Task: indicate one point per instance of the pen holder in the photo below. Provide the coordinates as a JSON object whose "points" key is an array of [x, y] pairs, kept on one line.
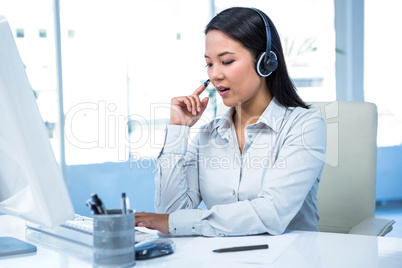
{"points": [[114, 239]]}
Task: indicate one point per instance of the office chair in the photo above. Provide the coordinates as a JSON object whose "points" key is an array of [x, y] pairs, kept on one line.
{"points": [[347, 191], [346, 195]]}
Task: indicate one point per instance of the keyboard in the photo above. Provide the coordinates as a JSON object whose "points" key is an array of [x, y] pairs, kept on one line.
{"points": [[80, 230]]}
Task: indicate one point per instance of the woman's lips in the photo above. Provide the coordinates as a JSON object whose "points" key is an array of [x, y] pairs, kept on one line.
{"points": [[222, 90]]}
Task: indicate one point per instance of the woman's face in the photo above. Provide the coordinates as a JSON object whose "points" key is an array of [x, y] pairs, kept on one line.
{"points": [[231, 70]]}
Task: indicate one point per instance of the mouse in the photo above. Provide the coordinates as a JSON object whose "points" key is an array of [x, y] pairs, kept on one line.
{"points": [[153, 248]]}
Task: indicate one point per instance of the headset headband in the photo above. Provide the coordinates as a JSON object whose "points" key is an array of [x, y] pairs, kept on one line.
{"points": [[267, 62], [268, 31]]}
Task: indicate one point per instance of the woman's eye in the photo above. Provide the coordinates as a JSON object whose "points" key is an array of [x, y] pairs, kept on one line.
{"points": [[227, 62], [223, 63]]}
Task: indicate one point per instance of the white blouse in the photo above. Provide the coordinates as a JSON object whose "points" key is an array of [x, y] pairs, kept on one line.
{"points": [[269, 188]]}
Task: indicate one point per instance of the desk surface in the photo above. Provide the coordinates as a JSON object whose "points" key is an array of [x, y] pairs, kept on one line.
{"points": [[295, 249]]}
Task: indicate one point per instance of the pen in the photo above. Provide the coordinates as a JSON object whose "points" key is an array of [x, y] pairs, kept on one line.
{"points": [[93, 207], [123, 204], [243, 248], [99, 204]]}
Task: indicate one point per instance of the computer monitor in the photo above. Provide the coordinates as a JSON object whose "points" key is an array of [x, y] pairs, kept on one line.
{"points": [[31, 183]]}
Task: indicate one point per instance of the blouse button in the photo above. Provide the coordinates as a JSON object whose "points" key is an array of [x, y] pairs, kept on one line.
{"points": [[193, 230], [175, 231], [234, 192]]}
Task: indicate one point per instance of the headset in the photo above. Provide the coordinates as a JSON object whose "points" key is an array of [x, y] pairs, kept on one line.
{"points": [[267, 61]]}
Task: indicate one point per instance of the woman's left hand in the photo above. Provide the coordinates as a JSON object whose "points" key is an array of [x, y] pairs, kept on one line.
{"points": [[153, 221]]}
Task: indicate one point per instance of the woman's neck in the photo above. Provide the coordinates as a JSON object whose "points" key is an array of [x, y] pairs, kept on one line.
{"points": [[249, 113]]}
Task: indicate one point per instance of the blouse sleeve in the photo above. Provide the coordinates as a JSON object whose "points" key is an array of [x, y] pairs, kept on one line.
{"points": [[176, 181]]}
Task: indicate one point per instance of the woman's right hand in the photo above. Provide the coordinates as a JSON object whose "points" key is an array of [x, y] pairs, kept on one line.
{"points": [[186, 110]]}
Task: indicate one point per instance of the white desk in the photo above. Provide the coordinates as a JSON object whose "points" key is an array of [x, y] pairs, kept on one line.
{"points": [[303, 249]]}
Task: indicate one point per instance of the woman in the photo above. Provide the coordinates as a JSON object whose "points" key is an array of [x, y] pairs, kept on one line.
{"points": [[257, 168]]}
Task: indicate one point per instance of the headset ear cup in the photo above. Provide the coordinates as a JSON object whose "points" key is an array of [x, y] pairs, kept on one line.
{"points": [[272, 63], [264, 69], [260, 66]]}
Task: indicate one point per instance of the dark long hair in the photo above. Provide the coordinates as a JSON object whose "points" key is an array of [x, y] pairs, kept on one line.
{"points": [[246, 26]]}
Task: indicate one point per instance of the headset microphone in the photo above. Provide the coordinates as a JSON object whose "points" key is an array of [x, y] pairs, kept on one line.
{"points": [[267, 61]]}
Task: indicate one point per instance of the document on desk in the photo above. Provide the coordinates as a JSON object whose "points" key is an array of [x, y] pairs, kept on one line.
{"points": [[201, 249]]}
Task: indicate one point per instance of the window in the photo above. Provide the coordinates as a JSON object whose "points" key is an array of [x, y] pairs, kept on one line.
{"points": [[32, 24], [382, 86], [383, 55], [95, 56], [120, 72]]}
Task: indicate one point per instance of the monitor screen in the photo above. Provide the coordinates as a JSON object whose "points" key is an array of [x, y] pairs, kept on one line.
{"points": [[31, 183]]}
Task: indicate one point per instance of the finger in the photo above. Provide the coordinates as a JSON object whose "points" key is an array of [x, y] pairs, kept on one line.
{"points": [[204, 103], [147, 223], [197, 103], [143, 220], [142, 224], [193, 105], [201, 88], [140, 216], [202, 106], [138, 219], [183, 100], [189, 104]]}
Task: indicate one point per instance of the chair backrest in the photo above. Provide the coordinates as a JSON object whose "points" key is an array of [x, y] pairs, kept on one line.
{"points": [[346, 194]]}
